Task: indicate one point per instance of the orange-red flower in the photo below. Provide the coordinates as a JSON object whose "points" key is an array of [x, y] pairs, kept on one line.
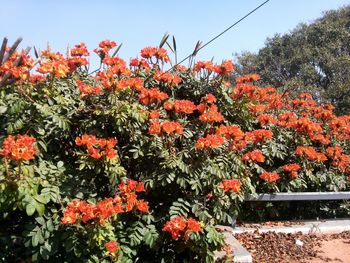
{"points": [[180, 106], [206, 65], [159, 53], [231, 185], [98, 147], [79, 50], [248, 78], [257, 108], [292, 167], [258, 136], [172, 127], [168, 78], [193, 225], [104, 209], [19, 147], [155, 128], [310, 153], [210, 141], [148, 96], [87, 89], [269, 177], [209, 98], [265, 119], [131, 83], [225, 68], [255, 155], [179, 227], [112, 246], [211, 115]]}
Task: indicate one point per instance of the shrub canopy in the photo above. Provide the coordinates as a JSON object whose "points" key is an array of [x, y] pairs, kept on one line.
{"points": [[138, 161]]}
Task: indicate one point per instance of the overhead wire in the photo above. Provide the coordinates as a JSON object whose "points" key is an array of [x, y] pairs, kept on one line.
{"points": [[220, 34]]}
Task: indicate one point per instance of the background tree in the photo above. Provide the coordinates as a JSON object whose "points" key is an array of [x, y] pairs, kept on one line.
{"points": [[313, 57]]}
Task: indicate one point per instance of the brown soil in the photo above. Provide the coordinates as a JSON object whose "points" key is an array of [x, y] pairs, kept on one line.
{"points": [[274, 247]]}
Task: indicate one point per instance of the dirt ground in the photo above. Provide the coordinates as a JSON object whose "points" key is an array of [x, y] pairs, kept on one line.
{"points": [[333, 250], [274, 247]]}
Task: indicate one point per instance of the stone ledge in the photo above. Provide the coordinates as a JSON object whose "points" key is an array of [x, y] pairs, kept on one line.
{"points": [[240, 254]]}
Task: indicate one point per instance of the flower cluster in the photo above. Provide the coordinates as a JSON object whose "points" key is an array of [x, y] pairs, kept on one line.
{"points": [[231, 185], [248, 78], [340, 160], [269, 177], [224, 69], [310, 153], [19, 147], [179, 227], [148, 96], [21, 71], [159, 53], [130, 83], [209, 114], [103, 210], [87, 89], [292, 169], [54, 64], [255, 155], [169, 127], [112, 246], [210, 141], [168, 78], [98, 147], [181, 106]]}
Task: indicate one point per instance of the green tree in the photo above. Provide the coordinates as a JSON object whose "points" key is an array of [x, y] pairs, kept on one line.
{"points": [[313, 57]]}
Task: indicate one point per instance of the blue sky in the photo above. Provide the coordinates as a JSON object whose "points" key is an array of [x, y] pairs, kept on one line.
{"points": [[137, 24]]}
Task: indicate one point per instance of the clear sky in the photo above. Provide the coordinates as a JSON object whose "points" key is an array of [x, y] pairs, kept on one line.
{"points": [[137, 24]]}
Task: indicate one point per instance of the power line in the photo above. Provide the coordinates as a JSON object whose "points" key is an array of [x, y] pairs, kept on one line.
{"points": [[223, 32]]}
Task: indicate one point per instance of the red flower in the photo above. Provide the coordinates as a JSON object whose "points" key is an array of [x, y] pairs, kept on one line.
{"points": [[86, 89], [269, 177], [79, 50], [142, 206], [185, 106], [19, 147], [148, 96], [148, 52], [154, 114], [176, 227], [248, 78], [179, 227], [292, 167], [231, 185], [131, 83], [257, 108], [209, 98], [210, 141], [266, 119], [225, 68], [98, 147], [112, 246], [255, 155], [168, 78], [211, 115], [193, 225], [310, 153], [172, 127], [155, 128]]}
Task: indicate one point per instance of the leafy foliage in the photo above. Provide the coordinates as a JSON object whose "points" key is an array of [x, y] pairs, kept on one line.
{"points": [[139, 164]]}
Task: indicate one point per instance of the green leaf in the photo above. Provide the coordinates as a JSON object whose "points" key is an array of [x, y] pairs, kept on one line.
{"points": [[30, 209], [40, 208]]}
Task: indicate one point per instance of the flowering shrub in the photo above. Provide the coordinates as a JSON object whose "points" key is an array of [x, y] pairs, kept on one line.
{"points": [[135, 162]]}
